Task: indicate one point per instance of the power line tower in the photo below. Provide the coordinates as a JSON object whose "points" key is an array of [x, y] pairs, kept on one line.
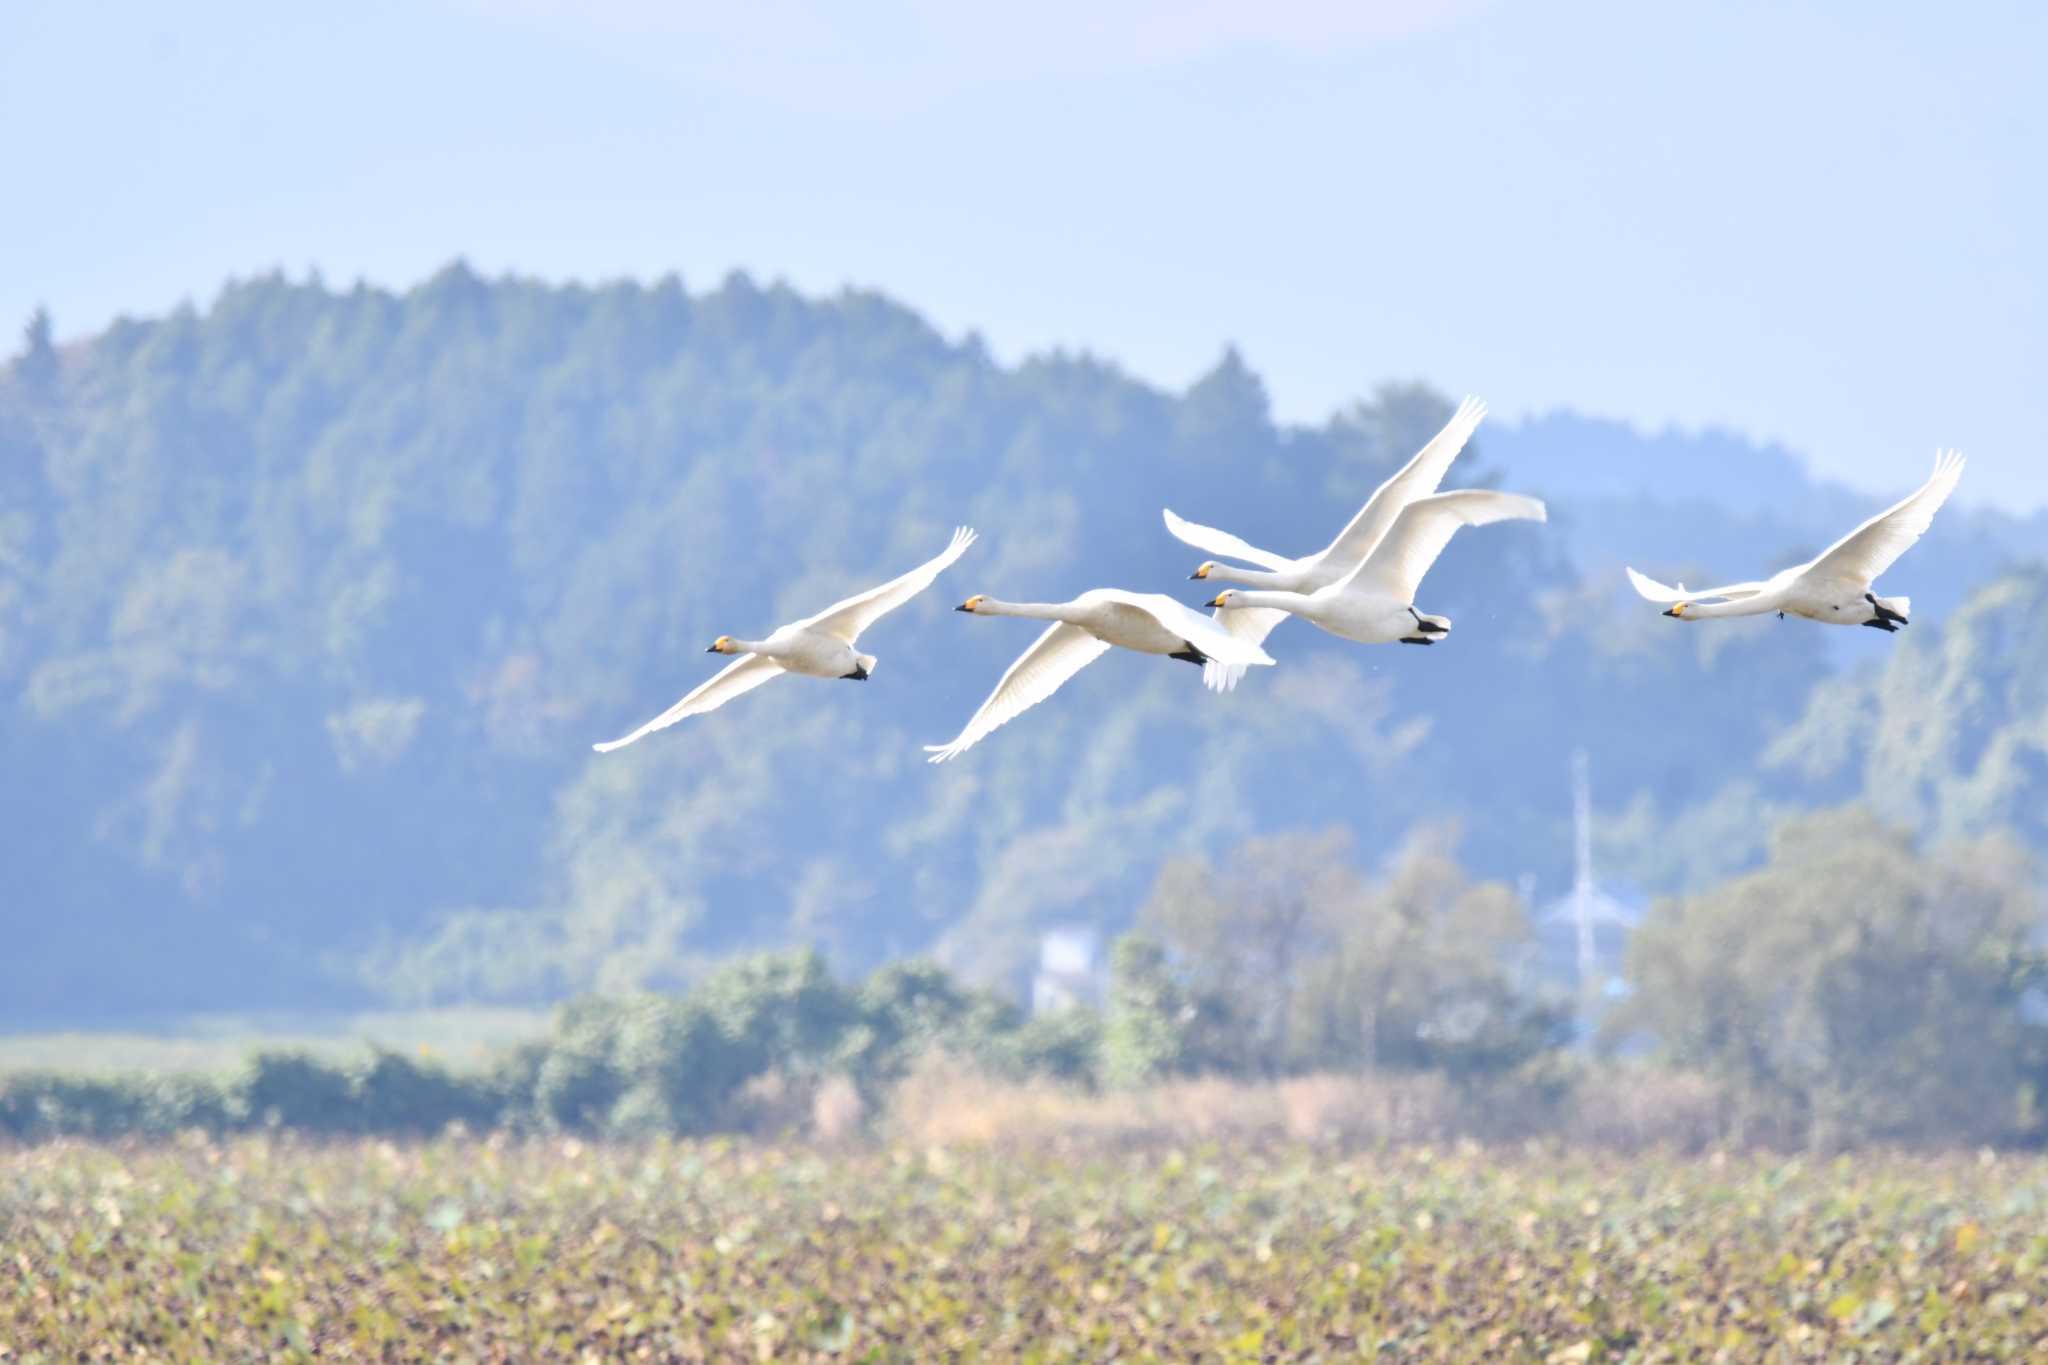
{"points": [[1587, 906]]}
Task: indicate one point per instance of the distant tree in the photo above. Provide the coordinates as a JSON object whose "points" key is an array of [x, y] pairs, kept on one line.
{"points": [[783, 1010], [1065, 1045], [906, 1009], [678, 1064], [393, 1093], [1248, 933], [297, 1091], [1227, 408], [1853, 988], [1315, 966], [1950, 736], [1145, 1027], [579, 1079], [36, 367], [1429, 971]]}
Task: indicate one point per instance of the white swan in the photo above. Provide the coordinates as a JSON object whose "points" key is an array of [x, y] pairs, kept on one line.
{"points": [[1416, 479], [1082, 631], [1375, 603], [820, 646], [1834, 587]]}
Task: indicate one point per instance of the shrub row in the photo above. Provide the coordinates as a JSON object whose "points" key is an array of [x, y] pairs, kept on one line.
{"points": [[629, 1065]]}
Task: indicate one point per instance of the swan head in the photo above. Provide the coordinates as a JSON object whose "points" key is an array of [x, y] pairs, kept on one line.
{"points": [[1221, 599], [1204, 569], [1677, 609], [722, 645], [970, 605]]}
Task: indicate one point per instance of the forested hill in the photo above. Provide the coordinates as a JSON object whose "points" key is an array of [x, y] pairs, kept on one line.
{"points": [[312, 603]]}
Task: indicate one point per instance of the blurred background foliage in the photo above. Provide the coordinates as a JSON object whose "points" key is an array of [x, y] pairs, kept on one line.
{"points": [[312, 601], [1853, 990]]}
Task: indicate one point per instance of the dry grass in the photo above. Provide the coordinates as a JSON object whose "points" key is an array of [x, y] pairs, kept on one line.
{"points": [[946, 1103], [837, 1111], [1633, 1108]]}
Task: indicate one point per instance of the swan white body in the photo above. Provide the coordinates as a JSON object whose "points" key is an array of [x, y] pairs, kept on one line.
{"points": [[820, 646], [1416, 479], [1375, 603], [1083, 630], [1836, 586]]}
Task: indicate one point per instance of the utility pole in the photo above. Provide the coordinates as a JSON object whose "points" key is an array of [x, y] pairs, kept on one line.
{"points": [[1586, 907]]}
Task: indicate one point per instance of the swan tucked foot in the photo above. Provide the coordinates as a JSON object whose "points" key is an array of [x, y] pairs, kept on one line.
{"points": [[1428, 629], [1190, 654], [1885, 614], [859, 674]]}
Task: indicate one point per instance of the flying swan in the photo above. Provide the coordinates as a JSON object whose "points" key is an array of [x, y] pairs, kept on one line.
{"points": [[1082, 631], [820, 646], [1836, 586], [1375, 602], [1418, 478]]}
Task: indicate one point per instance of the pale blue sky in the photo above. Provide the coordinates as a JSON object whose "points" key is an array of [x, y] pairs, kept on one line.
{"points": [[1819, 223]]}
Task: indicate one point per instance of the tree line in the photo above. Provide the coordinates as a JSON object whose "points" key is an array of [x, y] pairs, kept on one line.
{"points": [[1854, 989]]}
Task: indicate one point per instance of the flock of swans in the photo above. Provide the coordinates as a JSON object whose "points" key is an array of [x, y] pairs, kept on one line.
{"points": [[1361, 586]]}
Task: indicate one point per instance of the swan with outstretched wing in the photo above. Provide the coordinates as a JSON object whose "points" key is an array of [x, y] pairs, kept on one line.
{"points": [[1836, 587], [820, 646]]}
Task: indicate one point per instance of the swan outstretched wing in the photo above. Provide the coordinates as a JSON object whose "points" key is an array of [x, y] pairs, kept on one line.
{"points": [[1416, 479], [1651, 590], [1183, 620], [743, 674], [1396, 565], [1222, 543], [1250, 624], [846, 620], [1057, 655], [1874, 546]]}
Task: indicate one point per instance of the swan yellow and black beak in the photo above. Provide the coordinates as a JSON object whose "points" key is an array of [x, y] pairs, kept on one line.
{"points": [[970, 604], [1678, 610], [1202, 570], [1221, 599], [719, 645]]}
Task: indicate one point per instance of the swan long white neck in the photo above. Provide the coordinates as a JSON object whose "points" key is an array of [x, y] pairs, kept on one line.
{"points": [[1037, 611], [1760, 605], [1257, 578], [740, 646], [1284, 601]]}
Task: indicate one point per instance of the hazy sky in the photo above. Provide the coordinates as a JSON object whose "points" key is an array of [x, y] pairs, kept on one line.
{"points": [[1821, 223]]}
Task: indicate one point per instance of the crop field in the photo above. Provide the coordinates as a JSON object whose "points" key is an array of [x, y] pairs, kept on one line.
{"points": [[532, 1249]]}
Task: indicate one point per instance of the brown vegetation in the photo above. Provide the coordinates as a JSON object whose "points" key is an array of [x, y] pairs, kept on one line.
{"points": [[1616, 1107]]}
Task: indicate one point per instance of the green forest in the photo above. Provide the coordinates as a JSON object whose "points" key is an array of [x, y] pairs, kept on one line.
{"points": [[312, 601]]}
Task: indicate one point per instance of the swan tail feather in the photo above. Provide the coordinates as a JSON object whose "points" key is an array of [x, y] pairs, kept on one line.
{"points": [[1222, 677]]}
